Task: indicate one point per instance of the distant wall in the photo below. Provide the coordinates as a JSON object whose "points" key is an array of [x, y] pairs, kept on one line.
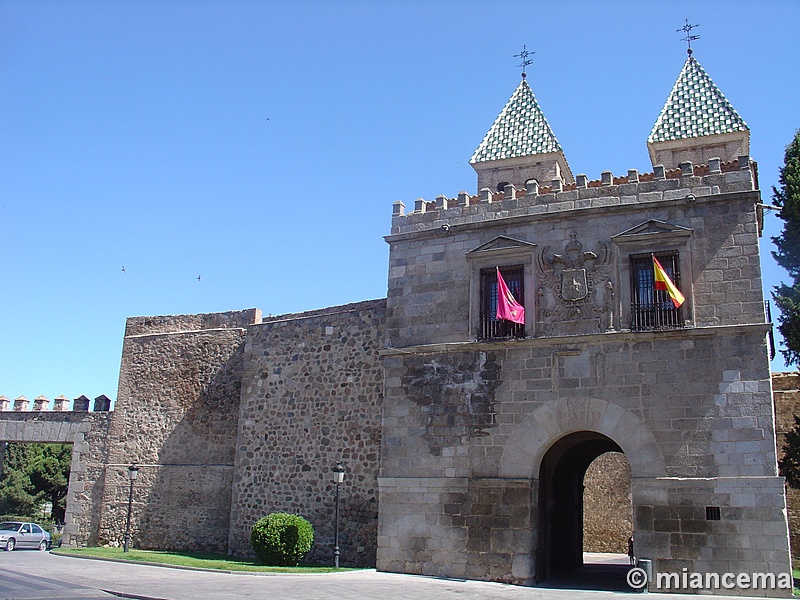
{"points": [[786, 392], [607, 508]]}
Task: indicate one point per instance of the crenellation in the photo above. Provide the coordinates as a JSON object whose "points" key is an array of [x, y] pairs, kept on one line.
{"points": [[80, 404], [689, 180]]}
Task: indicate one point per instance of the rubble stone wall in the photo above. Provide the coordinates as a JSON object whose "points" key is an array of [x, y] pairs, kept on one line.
{"points": [[311, 397], [176, 418]]}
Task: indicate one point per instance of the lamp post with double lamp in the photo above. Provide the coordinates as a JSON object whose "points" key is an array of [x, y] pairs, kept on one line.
{"points": [[133, 471], [338, 477]]}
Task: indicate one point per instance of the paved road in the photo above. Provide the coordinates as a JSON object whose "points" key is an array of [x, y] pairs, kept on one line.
{"points": [[24, 575], [64, 578]]}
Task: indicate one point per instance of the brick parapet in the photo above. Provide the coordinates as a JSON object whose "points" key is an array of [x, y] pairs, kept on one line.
{"points": [[691, 182]]}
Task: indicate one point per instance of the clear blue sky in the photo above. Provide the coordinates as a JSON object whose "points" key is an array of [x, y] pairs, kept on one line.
{"points": [[260, 145]]}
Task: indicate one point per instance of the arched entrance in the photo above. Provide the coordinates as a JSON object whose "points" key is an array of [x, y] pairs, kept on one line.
{"points": [[561, 474]]}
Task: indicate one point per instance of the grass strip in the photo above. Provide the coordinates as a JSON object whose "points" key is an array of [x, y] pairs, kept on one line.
{"points": [[196, 560]]}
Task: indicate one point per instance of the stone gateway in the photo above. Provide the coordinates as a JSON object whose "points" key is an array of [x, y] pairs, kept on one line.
{"points": [[465, 437]]}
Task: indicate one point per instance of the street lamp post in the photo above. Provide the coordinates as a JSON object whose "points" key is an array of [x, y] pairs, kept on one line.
{"points": [[338, 477], [133, 471]]}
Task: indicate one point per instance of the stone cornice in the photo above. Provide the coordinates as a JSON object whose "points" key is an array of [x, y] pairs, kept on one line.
{"points": [[575, 340]]}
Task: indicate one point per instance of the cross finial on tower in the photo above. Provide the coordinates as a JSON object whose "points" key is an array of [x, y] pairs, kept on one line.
{"points": [[525, 60], [687, 28]]}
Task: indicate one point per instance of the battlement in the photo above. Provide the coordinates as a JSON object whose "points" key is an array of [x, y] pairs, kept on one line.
{"points": [[60, 404], [713, 178]]}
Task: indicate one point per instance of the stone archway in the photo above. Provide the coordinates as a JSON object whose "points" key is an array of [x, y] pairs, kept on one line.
{"points": [[553, 447], [560, 503], [531, 439]]}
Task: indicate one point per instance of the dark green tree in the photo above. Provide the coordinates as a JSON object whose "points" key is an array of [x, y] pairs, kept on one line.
{"points": [[789, 463], [787, 295], [33, 474], [49, 474], [17, 496]]}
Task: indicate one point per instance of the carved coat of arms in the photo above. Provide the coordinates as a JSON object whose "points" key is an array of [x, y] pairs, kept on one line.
{"points": [[575, 288]]}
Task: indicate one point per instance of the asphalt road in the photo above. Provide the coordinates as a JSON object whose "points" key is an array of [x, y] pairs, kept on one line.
{"points": [[32, 575]]}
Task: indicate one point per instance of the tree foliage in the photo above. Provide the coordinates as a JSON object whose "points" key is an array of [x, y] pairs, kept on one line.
{"points": [[787, 295], [33, 474], [789, 464]]}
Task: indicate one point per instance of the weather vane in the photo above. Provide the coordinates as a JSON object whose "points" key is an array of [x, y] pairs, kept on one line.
{"points": [[525, 61], [689, 37]]}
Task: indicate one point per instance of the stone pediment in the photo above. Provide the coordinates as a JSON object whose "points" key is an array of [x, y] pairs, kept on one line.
{"points": [[500, 244], [650, 231]]}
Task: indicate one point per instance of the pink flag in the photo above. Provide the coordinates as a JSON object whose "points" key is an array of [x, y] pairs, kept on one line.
{"points": [[507, 307]]}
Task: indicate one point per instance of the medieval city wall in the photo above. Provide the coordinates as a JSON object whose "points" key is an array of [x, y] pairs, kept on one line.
{"points": [[176, 418], [312, 397]]}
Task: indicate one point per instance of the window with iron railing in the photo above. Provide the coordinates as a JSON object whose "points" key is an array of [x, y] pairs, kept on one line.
{"points": [[490, 325], [652, 308]]}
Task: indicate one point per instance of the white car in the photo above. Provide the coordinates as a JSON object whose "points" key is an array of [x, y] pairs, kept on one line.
{"points": [[14, 534]]}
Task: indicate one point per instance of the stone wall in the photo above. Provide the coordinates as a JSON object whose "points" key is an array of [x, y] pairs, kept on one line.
{"points": [[176, 417], [608, 481], [88, 434], [86, 481], [311, 396]]}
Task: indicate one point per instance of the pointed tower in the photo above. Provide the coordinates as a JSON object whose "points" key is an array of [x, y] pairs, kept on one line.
{"points": [[520, 146], [697, 123]]}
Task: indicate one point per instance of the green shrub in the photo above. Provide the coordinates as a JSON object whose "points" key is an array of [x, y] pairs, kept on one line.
{"points": [[281, 539]]}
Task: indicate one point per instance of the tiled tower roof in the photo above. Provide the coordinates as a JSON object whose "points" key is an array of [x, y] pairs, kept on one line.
{"points": [[519, 130], [695, 108]]}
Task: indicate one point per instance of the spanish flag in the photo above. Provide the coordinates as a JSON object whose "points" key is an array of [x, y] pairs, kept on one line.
{"points": [[663, 282], [507, 307]]}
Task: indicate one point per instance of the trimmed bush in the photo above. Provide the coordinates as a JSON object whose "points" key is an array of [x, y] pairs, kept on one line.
{"points": [[281, 539]]}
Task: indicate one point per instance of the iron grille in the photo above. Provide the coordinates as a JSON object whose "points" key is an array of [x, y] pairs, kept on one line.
{"points": [[490, 326], [652, 308]]}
